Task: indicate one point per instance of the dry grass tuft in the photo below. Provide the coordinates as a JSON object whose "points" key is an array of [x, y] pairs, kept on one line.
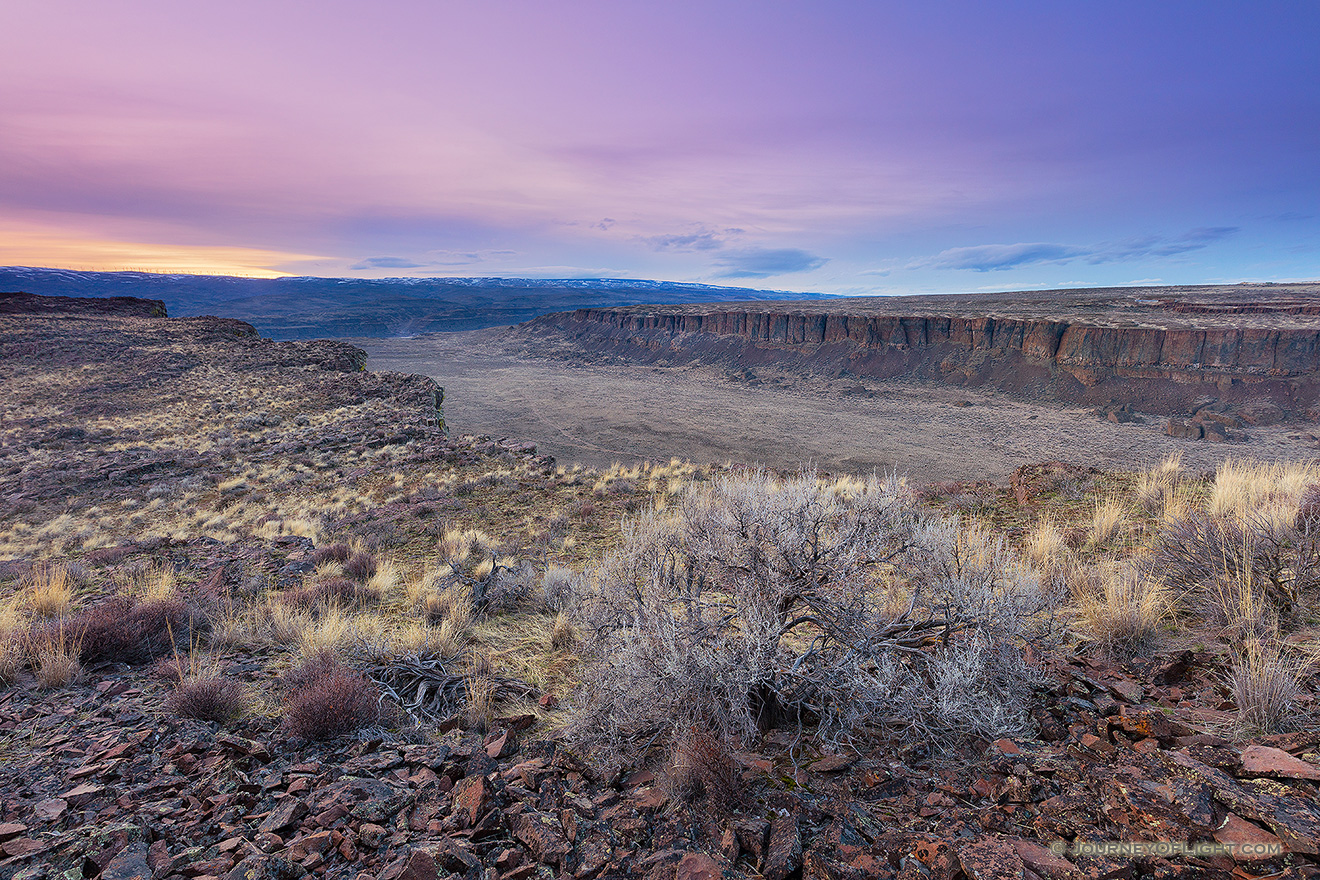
{"points": [[1108, 521], [1266, 682], [54, 654], [13, 629], [564, 637], [148, 582], [49, 593], [703, 765], [1157, 486], [481, 692], [1121, 608], [1046, 546], [1245, 487]]}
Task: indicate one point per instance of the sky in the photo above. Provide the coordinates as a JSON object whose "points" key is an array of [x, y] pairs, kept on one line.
{"points": [[860, 147]]}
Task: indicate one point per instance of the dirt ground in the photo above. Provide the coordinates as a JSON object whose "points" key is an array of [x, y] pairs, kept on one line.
{"points": [[599, 413]]}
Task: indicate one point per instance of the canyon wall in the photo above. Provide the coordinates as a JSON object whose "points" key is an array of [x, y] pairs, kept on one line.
{"points": [[1157, 369]]}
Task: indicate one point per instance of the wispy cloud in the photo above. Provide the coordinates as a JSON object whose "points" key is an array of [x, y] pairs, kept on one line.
{"points": [[765, 262], [385, 263], [700, 238], [991, 257]]}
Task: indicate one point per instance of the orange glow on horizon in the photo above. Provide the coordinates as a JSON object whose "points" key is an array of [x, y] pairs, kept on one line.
{"points": [[26, 246]]}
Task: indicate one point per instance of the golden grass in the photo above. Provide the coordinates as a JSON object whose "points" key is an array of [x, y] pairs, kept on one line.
{"points": [[1156, 487], [1108, 521], [49, 593], [148, 583], [1120, 608], [480, 712], [13, 625], [533, 647], [1045, 545], [54, 658], [1242, 487]]}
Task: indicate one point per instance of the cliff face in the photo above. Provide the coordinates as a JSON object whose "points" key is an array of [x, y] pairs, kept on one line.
{"points": [[1155, 369]]}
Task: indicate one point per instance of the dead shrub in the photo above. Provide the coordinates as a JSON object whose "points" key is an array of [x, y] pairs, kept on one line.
{"points": [[209, 697], [1203, 554], [311, 669], [758, 601], [53, 652]]}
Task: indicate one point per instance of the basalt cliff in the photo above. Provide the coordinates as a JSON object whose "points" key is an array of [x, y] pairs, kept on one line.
{"points": [[1160, 350]]}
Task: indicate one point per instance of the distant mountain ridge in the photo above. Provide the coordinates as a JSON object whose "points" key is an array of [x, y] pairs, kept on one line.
{"points": [[303, 307]]}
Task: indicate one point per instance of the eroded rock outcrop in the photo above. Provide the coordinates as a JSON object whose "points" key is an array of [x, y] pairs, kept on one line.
{"points": [[1158, 351]]}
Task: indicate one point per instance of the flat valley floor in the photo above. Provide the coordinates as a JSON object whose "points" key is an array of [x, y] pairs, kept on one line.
{"points": [[597, 413]]}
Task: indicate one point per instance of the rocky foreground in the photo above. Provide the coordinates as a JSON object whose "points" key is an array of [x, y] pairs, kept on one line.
{"points": [[99, 784], [1165, 350], [103, 778]]}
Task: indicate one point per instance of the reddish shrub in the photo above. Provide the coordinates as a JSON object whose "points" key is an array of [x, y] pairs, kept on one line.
{"points": [[332, 706], [330, 553], [313, 668], [360, 566], [209, 698], [120, 630], [333, 591]]}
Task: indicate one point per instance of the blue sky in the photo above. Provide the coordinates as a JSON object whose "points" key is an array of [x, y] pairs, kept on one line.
{"points": [[847, 147]]}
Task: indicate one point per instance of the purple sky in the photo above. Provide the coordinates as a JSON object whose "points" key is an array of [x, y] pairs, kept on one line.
{"points": [[851, 147]]}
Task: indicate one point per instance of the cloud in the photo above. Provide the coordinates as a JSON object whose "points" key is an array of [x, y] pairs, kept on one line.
{"points": [[386, 263], [992, 257], [764, 262], [693, 241], [699, 239]]}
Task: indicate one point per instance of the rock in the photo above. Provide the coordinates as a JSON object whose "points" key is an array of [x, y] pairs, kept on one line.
{"points": [[1045, 861], [50, 809], [416, 865], [1183, 429], [543, 836], [11, 829], [1247, 841], [1290, 813], [698, 866], [832, 764], [1170, 670], [286, 812], [131, 864], [82, 795], [752, 833], [1145, 722], [989, 858], [17, 847], [312, 843], [265, 868], [472, 796], [784, 853], [370, 835], [1262, 413], [1258, 760]]}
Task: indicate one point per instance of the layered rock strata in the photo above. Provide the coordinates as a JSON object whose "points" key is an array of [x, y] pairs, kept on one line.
{"points": [[1156, 354]]}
